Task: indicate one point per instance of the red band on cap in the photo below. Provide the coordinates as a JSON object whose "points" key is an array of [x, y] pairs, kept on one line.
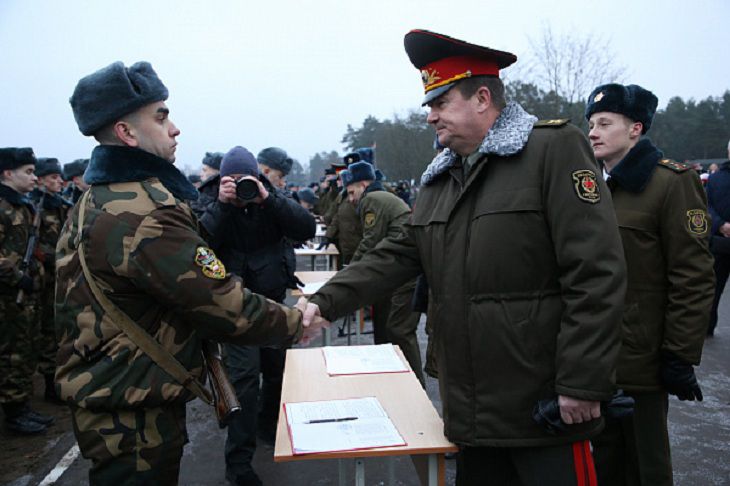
{"points": [[450, 69]]}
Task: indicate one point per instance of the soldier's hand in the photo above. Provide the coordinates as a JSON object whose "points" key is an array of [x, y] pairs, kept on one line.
{"points": [[227, 190], [576, 411], [679, 378], [312, 320]]}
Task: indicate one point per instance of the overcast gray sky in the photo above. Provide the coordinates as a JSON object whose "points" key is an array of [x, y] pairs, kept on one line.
{"points": [[295, 73]]}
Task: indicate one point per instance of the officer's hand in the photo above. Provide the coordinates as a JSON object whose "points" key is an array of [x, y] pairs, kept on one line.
{"points": [[575, 411], [26, 284], [679, 378], [324, 244], [312, 320], [227, 190]]}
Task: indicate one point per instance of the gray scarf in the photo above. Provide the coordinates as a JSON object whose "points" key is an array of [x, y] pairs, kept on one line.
{"points": [[507, 136]]}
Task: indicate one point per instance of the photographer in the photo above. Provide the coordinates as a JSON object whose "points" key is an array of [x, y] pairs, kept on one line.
{"points": [[249, 221]]}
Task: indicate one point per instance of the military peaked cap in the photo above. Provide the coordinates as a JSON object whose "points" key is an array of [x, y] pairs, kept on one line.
{"points": [[444, 60]]}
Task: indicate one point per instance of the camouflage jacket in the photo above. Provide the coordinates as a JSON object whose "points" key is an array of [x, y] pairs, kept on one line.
{"points": [[142, 245], [16, 220], [53, 215]]}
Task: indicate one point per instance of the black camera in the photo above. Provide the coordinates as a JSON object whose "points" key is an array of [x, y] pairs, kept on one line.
{"points": [[247, 190]]}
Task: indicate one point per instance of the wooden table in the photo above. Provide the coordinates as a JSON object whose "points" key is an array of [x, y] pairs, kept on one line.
{"points": [[402, 397], [330, 252]]}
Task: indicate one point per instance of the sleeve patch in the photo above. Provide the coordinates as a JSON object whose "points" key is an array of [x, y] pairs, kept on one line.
{"points": [[369, 219], [697, 221], [211, 265], [586, 186]]}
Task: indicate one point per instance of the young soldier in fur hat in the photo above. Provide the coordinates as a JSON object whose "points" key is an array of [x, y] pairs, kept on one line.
{"points": [[134, 236], [343, 223], [74, 173], [19, 329], [661, 210], [383, 214], [518, 240], [54, 209], [209, 172]]}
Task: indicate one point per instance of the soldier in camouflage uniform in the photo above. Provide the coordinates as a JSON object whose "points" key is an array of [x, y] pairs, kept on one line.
{"points": [[143, 248], [383, 214], [19, 322], [53, 215], [74, 173]]}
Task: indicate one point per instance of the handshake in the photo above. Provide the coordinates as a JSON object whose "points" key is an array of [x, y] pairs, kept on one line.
{"points": [[312, 320]]}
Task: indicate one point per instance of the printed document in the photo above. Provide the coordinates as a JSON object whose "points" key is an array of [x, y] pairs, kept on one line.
{"points": [[340, 425], [355, 360]]}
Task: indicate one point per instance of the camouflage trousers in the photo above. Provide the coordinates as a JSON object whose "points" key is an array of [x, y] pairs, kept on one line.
{"points": [[47, 344], [132, 447], [18, 351]]}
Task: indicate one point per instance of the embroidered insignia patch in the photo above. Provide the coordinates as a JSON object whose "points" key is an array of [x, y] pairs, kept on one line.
{"points": [[697, 221], [369, 220], [586, 186], [211, 265]]}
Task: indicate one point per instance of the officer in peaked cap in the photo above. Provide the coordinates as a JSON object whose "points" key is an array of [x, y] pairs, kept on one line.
{"points": [[661, 209], [525, 302]]}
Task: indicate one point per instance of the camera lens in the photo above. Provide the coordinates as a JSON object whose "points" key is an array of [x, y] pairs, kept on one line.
{"points": [[247, 190]]}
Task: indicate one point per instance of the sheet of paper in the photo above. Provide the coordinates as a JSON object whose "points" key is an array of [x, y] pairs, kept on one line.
{"points": [[340, 425], [355, 360], [311, 288]]}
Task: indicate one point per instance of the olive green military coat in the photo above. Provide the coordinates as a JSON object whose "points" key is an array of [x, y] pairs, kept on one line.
{"points": [[381, 214], [345, 227], [661, 208], [527, 284]]}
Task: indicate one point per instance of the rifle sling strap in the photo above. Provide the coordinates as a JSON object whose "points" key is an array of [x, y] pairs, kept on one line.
{"points": [[163, 358]]}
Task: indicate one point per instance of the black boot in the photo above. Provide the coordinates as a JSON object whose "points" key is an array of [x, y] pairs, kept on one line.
{"points": [[17, 420], [50, 394]]}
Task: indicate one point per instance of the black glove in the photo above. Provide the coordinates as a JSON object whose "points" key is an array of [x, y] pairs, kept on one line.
{"points": [[325, 243], [26, 284], [547, 411], [619, 407], [297, 282], [547, 414], [679, 378]]}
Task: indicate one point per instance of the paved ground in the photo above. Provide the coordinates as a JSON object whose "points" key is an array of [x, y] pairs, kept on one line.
{"points": [[700, 434]]}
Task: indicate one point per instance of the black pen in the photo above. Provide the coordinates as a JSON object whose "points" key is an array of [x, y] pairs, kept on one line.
{"points": [[327, 421]]}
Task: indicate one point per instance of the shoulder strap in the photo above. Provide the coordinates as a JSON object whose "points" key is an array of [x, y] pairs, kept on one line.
{"points": [[136, 334]]}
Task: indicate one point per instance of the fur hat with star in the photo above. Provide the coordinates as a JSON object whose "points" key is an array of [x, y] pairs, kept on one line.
{"points": [[632, 101]]}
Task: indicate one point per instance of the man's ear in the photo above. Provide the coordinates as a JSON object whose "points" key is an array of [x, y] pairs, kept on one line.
{"points": [[635, 129], [126, 133], [484, 98]]}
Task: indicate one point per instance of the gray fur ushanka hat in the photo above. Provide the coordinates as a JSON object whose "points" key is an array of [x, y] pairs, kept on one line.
{"points": [[112, 92]]}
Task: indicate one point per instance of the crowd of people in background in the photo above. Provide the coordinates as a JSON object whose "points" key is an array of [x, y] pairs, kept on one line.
{"points": [[535, 321]]}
